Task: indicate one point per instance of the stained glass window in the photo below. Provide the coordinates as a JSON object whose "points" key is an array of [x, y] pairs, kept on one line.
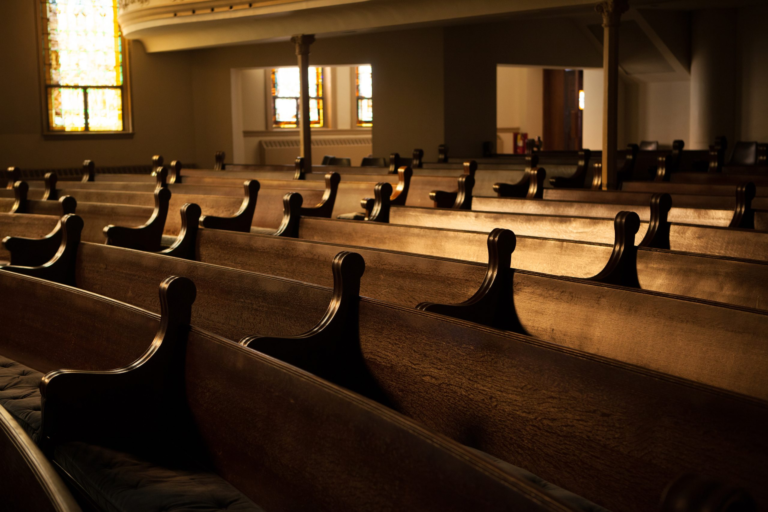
{"points": [[83, 63], [286, 90], [364, 85]]}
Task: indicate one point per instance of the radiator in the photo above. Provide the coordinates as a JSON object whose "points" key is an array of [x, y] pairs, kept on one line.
{"points": [[284, 150]]}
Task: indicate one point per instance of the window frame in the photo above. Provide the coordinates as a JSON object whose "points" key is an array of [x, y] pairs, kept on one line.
{"points": [[359, 123], [274, 124], [126, 132]]}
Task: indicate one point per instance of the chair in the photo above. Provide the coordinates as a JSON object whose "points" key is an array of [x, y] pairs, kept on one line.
{"points": [[327, 158], [371, 161], [649, 145], [744, 153]]}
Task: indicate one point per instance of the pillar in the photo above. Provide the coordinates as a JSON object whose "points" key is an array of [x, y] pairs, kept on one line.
{"points": [[611, 11], [302, 43], [714, 76]]}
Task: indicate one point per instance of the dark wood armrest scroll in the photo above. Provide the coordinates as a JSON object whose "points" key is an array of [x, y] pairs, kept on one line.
{"points": [[693, 493], [157, 161], [218, 159], [442, 154], [289, 228], [418, 159], [61, 267], [578, 178], [628, 169], [161, 173], [186, 243], [381, 203], [147, 237], [20, 193], [298, 173], [621, 268], [89, 171], [174, 173], [530, 186], [129, 403], [743, 214], [662, 170], [331, 349], [325, 207], [657, 236], [459, 200], [50, 194], [400, 194], [492, 304], [597, 176], [12, 175], [241, 221], [394, 163], [367, 203]]}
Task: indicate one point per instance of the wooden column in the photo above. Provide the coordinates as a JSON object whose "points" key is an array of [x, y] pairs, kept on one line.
{"points": [[302, 43], [611, 11]]}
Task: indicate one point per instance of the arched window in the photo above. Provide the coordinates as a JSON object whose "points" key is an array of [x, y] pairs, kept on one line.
{"points": [[286, 90], [364, 92], [84, 67]]}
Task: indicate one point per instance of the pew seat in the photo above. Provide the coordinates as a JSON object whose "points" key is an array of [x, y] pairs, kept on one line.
{"points": [[20, 394], [119, 481]]}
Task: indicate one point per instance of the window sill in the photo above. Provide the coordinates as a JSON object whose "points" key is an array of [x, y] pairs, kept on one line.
{"points": [[86, 135]]}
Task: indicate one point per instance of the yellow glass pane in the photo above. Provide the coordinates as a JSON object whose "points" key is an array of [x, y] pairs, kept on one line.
{"points": [[105, 110], [82, 42], [66, 109]]}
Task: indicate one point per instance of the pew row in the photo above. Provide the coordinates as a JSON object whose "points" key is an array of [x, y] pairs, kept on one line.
{"points": [[158, 420], [661, 457]]}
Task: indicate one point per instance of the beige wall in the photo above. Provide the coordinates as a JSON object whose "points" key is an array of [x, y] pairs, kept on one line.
{"points": [[753, 124], [592, 120], [407, 86], [472, 53], [162, 96], [519, 103]]}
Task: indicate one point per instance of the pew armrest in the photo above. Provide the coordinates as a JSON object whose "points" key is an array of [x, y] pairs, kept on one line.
{"points": [[443, 199], [186, 243], [33, 252], [324, 208], [132, 401], [148, 236], [61, 267], [240, 221]]}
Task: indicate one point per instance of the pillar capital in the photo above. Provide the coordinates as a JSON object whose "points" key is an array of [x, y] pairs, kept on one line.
{"points": [[302, 43], [612, 11]]}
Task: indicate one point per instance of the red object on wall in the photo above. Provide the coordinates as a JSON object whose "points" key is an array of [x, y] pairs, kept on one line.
{"points": [[520, 140]]}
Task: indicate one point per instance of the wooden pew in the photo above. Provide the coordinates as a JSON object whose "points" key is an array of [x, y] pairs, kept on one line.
{"points": [[161, 415], [640, 205], [611, 407], [659, 232], [688, 189], [226, 293], [388, 342]]}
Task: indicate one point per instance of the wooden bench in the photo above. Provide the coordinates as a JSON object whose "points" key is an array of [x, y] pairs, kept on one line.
{"points": [[130, 277], [337, 318], [641, 205], [160, 416]]}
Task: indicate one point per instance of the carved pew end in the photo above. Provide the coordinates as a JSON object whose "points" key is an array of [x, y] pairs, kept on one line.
{"points": [[29, 256], [186, 242], [332, 347], [492, 304], [219, 161], [12, 175], [147, 237], [20, 194], [621, 268], [289, 228], [324, 209], [240, 221], [89, 171]]}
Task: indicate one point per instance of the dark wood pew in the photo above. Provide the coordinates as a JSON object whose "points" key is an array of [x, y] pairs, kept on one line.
{"points": [[335, 318], [161, 415], [611, 407], [28, 481], [638, 203], [224, 291], [688, 189]]}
